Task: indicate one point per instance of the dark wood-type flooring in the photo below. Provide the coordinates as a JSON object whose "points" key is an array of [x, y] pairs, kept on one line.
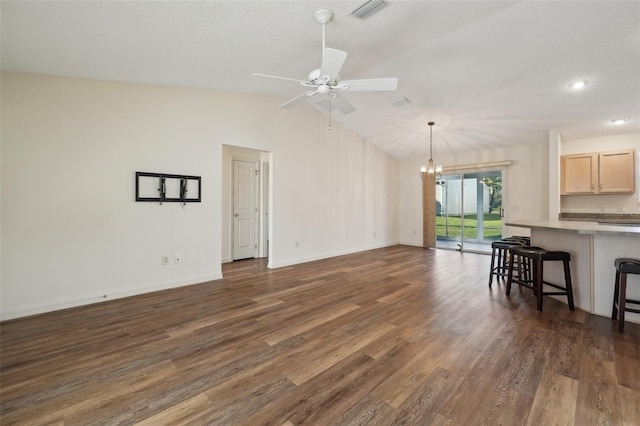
{"points": [[399, 335]]}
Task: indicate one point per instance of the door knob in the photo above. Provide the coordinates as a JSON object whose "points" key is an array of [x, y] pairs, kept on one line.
{"points": [[236, 215]]}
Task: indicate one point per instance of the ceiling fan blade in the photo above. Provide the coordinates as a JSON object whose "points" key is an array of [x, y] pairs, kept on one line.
{"points": [[339, 102], [298, 99], [332, 60], [370, 84], [255, 74]]}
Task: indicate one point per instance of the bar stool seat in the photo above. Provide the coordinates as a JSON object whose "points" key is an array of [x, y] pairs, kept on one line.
{"points": [[525, 240], [537, 256], [624, 266]]}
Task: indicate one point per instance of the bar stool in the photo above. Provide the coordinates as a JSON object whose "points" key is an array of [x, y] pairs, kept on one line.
{"points": [[500, 254], [624, 266], [537, 256]]}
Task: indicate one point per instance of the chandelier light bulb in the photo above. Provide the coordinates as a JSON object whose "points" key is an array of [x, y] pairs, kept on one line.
{"points": [[578, 84], [619, 121]]}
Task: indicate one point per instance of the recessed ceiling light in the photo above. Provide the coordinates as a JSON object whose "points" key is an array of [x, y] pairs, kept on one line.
{"points": [[618, 121], [578, 84]]}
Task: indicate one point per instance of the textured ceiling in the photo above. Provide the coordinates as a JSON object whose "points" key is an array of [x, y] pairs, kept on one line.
{"points": [[489, 74]]}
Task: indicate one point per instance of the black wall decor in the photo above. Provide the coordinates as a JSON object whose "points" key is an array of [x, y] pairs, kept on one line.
{"points": [[163, 187]]}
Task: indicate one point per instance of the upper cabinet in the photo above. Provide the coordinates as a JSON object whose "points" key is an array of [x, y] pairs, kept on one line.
{"points": [[611, 172], [578, 174]]}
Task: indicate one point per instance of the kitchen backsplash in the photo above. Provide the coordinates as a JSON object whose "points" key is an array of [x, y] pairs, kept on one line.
{"points": [[601, 217]]}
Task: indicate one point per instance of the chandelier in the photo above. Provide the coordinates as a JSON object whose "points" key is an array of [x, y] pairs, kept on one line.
{"points": [[430, 169]]}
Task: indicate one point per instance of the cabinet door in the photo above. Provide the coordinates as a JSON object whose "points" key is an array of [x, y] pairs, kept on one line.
{"points": [[617, 172], [578, 174]]}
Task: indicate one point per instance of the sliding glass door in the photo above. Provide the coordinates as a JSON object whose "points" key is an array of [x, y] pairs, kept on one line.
{"points": [[468, 210]]}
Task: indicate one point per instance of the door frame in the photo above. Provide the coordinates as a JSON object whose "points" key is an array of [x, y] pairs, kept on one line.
{"points": [[462, 174]]}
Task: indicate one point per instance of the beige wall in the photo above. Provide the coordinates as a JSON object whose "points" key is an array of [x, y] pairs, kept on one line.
{"points": [[525, 192], [72, 233]]}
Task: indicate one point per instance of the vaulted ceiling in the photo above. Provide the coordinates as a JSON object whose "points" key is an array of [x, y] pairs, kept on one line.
{"points": [[488, 73]]}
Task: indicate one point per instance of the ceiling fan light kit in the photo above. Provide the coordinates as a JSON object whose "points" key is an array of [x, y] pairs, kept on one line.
{"points": [[326, 79]]}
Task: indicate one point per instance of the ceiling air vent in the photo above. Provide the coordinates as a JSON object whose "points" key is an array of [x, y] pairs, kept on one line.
{"points": [[368, 8], [400, 102]]}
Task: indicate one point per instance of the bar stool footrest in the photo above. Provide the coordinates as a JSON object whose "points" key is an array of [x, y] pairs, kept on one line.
{"points": [[554, 285]]}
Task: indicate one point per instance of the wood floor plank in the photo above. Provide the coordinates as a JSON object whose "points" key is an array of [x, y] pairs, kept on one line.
{"points": [[598, 399], [555, 400], [368, 411], [505, 406], [309, 323], [205, 322], [598, 403], [475, 344], [626, 354], [325, 358], [422, 361], [179, 413], [397, 335], [630, 405], [425, 402]]}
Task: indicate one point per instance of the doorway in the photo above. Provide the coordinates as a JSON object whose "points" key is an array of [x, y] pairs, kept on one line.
{"points": [[469, 210], [245, 203]]}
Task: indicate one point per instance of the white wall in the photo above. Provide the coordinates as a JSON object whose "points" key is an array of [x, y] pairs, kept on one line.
{"points": [[524, 194], [609, 203], [555, 143], [72, 233]]}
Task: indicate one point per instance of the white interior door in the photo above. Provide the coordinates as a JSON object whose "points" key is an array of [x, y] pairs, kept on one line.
{"points": [[245, 209]]}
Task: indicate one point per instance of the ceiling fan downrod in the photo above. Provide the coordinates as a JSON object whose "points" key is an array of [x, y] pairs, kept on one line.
{"points": [[323, 17]]}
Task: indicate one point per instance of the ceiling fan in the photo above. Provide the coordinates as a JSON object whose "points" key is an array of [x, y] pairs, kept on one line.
{"points": [[326, 80]]}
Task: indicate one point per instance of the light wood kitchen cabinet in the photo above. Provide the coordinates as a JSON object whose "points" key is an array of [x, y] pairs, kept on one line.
{"points": [[612, 172]]}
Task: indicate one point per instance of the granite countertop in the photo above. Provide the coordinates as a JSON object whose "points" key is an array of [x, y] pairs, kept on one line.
{"points": [[626, 218], [580, 227]]}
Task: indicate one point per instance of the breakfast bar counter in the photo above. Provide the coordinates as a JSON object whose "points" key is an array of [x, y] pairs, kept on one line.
{"points": [[594, 247]]}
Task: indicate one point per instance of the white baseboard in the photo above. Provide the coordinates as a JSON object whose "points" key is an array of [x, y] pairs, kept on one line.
{"points": [[411, 243], [41, 309], [274, 265]]}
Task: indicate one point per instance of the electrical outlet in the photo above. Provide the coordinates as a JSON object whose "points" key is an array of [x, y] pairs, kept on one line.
{"points": [[178, 258], [297, 244], [164, 260]]}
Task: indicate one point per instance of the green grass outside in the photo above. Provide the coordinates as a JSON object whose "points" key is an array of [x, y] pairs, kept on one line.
{"points": [[492, 226]]}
